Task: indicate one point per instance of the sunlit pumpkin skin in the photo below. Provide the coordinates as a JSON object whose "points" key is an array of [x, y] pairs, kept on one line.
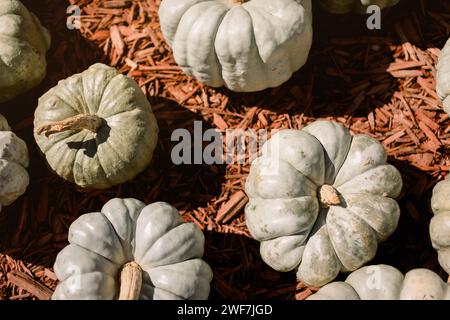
{"points": [[23, 45], [120, 148], [243, 45], [167, 250], [14, 177], [383, 282], [321, 201], [357, 6], [443, 77], [440, 223]]}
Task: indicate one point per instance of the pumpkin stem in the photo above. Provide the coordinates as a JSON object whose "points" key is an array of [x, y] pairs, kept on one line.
{"points": [[89, 122], [238, 1], [328, 196], [130, 281]]}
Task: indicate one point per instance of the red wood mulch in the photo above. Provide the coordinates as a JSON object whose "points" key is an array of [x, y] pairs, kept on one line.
{"points": [[380, 83]]}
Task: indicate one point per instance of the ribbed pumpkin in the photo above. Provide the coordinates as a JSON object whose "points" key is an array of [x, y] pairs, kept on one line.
{"points": [[443, 77], [14, 178], [383, 282], [358, 6], [23, 45], [321, 201], [96, 128], [245, 45], [440, 223], [131, 251]]}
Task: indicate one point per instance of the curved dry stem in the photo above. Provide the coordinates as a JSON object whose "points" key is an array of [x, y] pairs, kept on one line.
{"points": [[89, 122]]}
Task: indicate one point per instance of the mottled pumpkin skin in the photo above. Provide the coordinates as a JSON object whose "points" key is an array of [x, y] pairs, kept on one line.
{"points": [[245, 47], [14, 178], [440, 223], [383, 282], [443, 77], [358, 6], [23, 45], [124, 144], [284, 213], [167, 249]]}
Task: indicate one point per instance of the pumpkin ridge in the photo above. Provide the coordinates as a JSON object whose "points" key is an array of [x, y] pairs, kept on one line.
{"points": [[337, 252], [100, 102], [100, 162], [212, 50], [55, 94], [111, 147], [93, 252], [80, 160], [263, 13], [193, 244], [95, 108], [337, 170], [111, 269], [234, 68], [57, 143], [220, 67], [351, 210]]}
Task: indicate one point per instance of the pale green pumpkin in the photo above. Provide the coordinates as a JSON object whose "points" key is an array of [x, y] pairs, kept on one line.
{"points": [[245, 45], [358, 6], [131, 251], [14, 178], [321, 201], [383, 282], [23, 45], [443, 77], [96, 128]]}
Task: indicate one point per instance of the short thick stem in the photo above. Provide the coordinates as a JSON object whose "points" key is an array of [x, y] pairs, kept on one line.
{"points": [[130, 281], [89, 122], [238, 1], [328, 196]]}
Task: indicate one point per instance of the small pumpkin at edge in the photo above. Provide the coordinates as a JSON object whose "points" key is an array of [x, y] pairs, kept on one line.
{"points": [[14, 160], [23, 45], [383, 282], [440, 223]]}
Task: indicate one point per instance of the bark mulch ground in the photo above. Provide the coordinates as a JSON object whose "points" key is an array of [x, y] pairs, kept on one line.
{"points": [[380, 83]]}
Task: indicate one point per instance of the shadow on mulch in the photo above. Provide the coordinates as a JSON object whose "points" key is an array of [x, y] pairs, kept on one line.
{"points": [[240, 273]]}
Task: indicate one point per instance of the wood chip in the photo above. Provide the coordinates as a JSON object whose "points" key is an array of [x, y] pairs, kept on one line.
{"points": [[27, 283]]}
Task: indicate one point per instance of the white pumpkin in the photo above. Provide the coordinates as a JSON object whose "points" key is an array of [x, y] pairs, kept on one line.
{"points": [[245, 45], [23, 45], [383, 282], [358, 6], [14, 178], [443, 77], [321, 201], [130, 251], [440, 223]]}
